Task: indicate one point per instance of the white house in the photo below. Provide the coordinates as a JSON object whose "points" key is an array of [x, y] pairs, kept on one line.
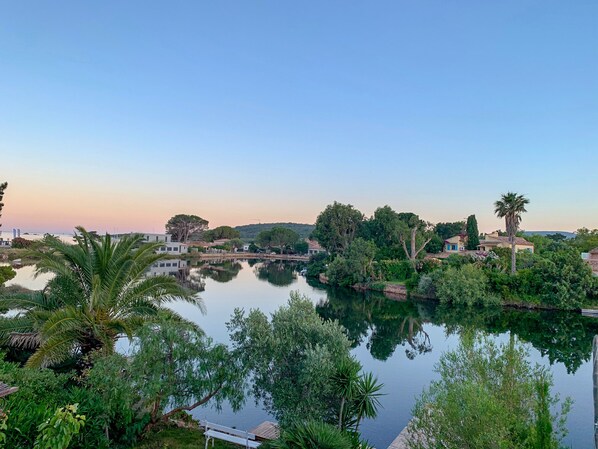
{"points": [[169, 247]]}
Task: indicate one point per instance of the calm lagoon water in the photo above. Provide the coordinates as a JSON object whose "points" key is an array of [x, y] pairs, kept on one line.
{"points": [[402, 359]]}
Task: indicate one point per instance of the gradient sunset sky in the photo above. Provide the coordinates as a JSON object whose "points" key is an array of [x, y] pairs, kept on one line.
{"points": [[117, 115]]}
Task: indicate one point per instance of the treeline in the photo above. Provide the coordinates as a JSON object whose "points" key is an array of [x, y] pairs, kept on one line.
{"points": [[250, 232], [391, 247]]}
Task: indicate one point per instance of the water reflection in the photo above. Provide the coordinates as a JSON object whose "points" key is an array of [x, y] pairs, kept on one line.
{"points": [[384, 323], [220, 270], [276, 272], [562, 337]]}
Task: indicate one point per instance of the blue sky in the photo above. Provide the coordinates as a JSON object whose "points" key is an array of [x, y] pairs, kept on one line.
{"points": [[117, 116]]}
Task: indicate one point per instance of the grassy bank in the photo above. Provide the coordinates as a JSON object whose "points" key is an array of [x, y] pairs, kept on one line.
{"points": [[179, 438]]}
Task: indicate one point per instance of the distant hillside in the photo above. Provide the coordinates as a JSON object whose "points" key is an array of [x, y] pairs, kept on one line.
{"points": [[250, 232], [567, 234]]}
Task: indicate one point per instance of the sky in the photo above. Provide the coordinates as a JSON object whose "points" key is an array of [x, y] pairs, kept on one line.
{"points": [[117, 115]]}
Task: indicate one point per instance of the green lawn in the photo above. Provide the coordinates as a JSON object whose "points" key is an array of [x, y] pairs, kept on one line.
{"points": [[177, 438]]}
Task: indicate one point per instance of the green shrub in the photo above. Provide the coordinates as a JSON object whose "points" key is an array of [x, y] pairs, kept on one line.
{"points": [[395, 270], [312, 435], [58, 431], [317, 264], [466, 285], [488, 396]]}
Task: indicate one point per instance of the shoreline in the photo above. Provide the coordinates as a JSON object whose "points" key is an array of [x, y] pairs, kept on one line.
{"points": [[398, 292]]}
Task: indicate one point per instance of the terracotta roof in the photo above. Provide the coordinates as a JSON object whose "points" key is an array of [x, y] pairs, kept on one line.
{"points": [[313, 244], [505, 239], [594, 251], [5, 390]]}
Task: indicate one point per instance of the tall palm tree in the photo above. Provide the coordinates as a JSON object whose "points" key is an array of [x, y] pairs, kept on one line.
{"points": [[510, 207], [100, 293]]}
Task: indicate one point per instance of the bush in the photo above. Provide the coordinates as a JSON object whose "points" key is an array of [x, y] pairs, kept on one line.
{"points": [[355, 266], [42, 391], [316, 264], [466, 285], [395, 270], [313, 435], [426, 286], [488, 396], [20, 243]]}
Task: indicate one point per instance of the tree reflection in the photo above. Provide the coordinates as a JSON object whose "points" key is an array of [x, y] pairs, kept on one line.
{"points": [[277, 273], [383, 324], [221, 271]]}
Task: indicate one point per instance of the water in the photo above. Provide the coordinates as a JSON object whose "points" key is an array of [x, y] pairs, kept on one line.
{"points": [[399, 341]]}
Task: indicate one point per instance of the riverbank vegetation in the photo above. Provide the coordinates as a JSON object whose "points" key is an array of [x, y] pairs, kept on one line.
{"points": [[398, 247], [488, 395]]}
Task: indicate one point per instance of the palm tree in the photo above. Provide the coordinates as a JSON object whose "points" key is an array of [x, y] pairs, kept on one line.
{"points": [[367, 398], [510, 207], [100, 293]]}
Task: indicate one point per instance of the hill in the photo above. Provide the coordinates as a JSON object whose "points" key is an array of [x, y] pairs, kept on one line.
{"points": [[250, 231], [567, 234]]}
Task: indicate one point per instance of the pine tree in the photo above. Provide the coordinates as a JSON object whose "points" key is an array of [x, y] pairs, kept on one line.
{"points": [[473, 234]]}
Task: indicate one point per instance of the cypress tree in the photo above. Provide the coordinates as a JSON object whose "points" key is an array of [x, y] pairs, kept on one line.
{"points": [[473, 234]]}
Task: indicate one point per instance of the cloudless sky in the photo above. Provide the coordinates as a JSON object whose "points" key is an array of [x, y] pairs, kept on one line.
{"points": [[117, 115]]}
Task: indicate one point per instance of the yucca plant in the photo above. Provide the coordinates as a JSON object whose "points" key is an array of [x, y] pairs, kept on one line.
{"points": [[100, 293]]}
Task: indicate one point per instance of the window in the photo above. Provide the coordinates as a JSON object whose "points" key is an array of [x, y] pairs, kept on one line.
{"points": [[162, 265], [175, 248], [169, 248]]}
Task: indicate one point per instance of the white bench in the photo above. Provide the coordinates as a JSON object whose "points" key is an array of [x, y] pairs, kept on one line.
{"points": [[215, 431]]}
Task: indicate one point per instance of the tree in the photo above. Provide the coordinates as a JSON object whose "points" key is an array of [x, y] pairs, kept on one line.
{"points": [[3, 186], [488, 396], [173, 368], [221, 232], [382, 229], [586, 240], [416, 232], [99, 293], [355, 266], [277, 237], [473, 234], [510, 207], [182, 226], [292, 359], [448, 230], [301, 247], [283, 237], [337, 226]]}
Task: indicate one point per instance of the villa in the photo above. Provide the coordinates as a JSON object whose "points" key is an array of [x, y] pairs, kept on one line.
{"points": [[458, 244], [455, 244], [493, 240]]}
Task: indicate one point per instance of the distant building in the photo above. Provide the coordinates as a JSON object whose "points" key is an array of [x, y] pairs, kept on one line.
{"points": [[313, 247], [4, 243], [169, 247], [455, 244], [491, 241], [592, 260]]}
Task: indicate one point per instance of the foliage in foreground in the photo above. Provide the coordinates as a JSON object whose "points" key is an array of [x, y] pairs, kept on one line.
{"points": [[296, 360], [314, 435], [173, 367], [99, 293], [488, 396]]}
